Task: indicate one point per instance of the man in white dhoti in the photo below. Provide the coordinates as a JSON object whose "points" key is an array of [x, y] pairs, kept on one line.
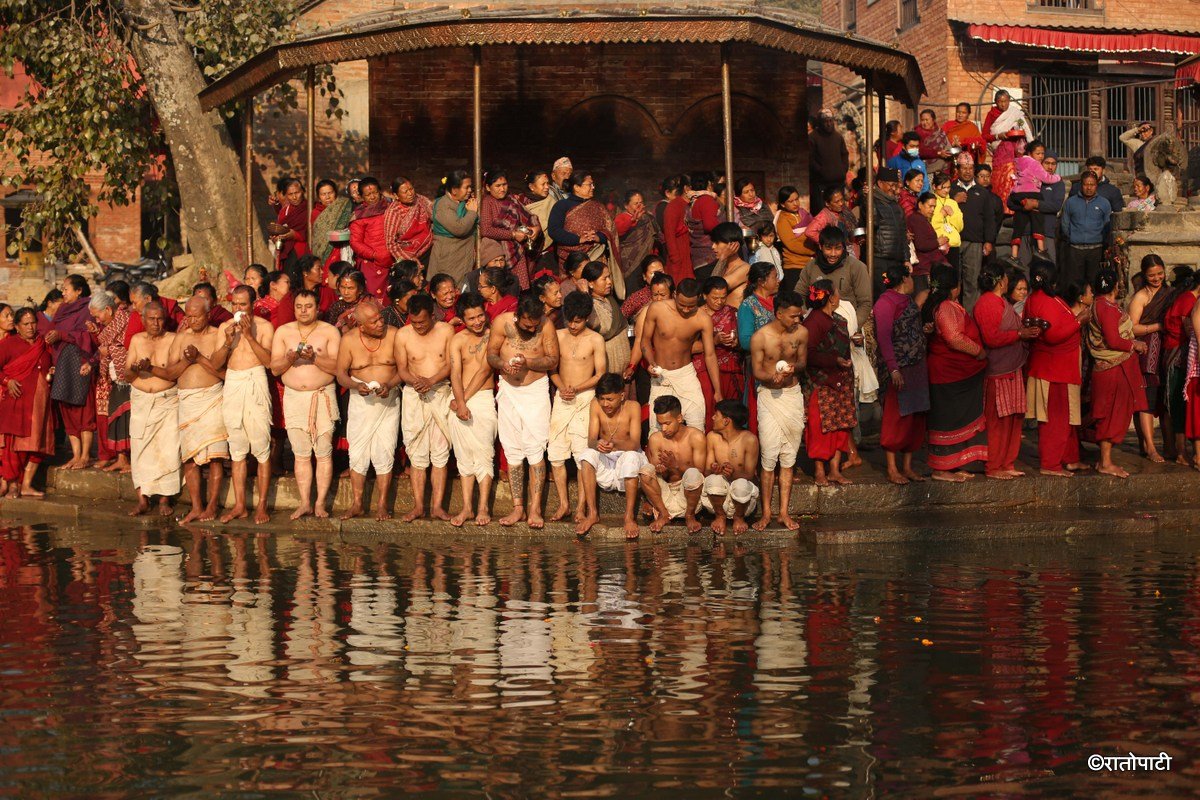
{"points": [[246, 405], [673, 477], [304, 357], [778, 353], [732, 457], [523, 347], [613, 460], [154, 415], [366, 366], [423, 363], [196, 363], [473, 421], [670, 331], [581, 362]]}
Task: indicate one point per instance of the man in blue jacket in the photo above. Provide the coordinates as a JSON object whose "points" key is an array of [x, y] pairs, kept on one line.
{"points": [[1049, 204], [910, 158], [1085, 221]]}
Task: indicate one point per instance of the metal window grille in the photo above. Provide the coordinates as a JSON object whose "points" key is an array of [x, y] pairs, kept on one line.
{"points": [[1068, 5], [1058, 109]]}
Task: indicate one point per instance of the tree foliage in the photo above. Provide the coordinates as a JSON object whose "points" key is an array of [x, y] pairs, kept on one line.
{"points": [[87, 114]]}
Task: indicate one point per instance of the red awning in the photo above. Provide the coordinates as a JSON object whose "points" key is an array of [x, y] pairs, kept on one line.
{"points": [[1086, 41], [1187, 75]]}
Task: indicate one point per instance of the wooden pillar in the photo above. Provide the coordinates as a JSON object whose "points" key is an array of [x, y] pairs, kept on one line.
{"points": [[727, 131], [477, 132], [311, 90], [248, 159], [869, 184], [882, 125]]}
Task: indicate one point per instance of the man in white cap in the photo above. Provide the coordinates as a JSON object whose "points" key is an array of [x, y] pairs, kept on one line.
{"points": [[558, 176]]}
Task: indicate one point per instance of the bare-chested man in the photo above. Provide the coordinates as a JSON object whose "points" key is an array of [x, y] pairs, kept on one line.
{"points": [[473, 421], [732, 456], [673, 478], [154, 414], [366, 367], [581, 362], [423, 363], [614, 458], [246, 405], [523, 347], [304, 356], [668, 335], [778, 353], [196, 362]]}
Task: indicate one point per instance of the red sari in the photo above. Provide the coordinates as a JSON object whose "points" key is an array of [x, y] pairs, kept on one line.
{"points": [[732, 378], [297, 245], [1054, 359], [26, 424], [831, 414], [112, 398], [956, 428], [1117, 388], [1004, 392]]}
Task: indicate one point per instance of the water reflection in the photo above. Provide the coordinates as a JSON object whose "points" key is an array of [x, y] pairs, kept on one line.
{"points": [[212, 664]]}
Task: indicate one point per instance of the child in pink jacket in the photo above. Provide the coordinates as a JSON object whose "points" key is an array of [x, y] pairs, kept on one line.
{"points": [[1028, 178]]}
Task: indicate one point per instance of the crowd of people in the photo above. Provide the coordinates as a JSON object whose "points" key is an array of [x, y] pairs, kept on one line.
{"points": [[661, 351]]}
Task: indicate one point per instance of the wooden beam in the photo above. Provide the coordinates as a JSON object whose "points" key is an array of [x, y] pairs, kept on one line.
{"points": [[248, 159], [727, 131], [311, 92], [869, 183]]}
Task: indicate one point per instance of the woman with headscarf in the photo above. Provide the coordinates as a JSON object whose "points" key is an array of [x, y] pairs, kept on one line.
{"points": [[749, 209], [26, 422], [368, 240], [408, 222], [506, 222], [455, 214], [640, 238], [1006, 130], [331, 213], [73, 351], [112, 393]]}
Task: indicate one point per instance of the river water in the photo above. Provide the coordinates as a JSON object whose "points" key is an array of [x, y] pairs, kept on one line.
{"points": [[203, 665]]}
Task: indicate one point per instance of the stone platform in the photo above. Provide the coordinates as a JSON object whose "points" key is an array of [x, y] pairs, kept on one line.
{"points": [[872, 510]]}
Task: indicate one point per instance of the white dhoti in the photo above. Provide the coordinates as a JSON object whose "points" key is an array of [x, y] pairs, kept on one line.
{"points": [[373, 431], [154, 441], [674, 494], [423, 422], [780, 426], [523, 420], [202, 435], [719, 489], [246, 408], [569, 427], [474, 439], [684, 384], [308, 417], [613, 469]]}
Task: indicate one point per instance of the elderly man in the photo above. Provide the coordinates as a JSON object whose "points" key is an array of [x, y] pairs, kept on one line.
{"points": [[304, 357], [891, 232], [246, 405], [558, 178], [422, 354], [670, 332], [139, 295], [196, 363], [154, 414], [366, 368], [523, 348], [828, 159]]}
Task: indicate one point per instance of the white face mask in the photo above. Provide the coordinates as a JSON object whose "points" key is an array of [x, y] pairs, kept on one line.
{"points": [[914, 151]]}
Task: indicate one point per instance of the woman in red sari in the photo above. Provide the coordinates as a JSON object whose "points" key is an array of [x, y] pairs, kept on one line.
{"points": [[1117, 387], [408, 222], [504, 220], [1005, 336], [831, 412], [903, 373], [1052, 389], [732, 379], [26, 424], [957, 371], [497, 292], [292, 215], [1177, 331]]}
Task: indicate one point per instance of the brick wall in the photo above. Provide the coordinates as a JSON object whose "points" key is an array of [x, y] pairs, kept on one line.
{"points": [[632, 113]]}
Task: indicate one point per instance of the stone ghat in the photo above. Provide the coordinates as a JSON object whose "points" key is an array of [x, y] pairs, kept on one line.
{"points": [[872, 510]]}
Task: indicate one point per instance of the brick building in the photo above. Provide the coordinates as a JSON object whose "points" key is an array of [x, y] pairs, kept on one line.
{"points": [[634, 109], [1086, 70], [115, 232]]}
